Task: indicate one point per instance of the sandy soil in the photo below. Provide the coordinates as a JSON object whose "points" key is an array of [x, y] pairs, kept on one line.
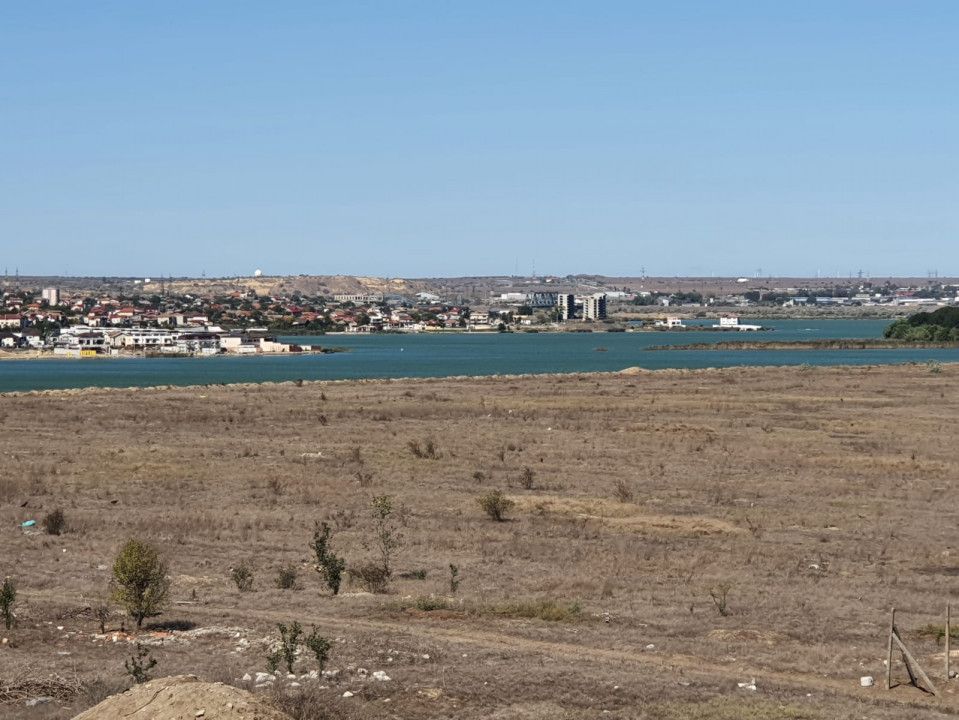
{"points": [[182, 697], [674, 534]]}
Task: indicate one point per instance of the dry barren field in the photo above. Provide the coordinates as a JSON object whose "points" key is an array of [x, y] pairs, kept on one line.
{"points": [[674, 534]]}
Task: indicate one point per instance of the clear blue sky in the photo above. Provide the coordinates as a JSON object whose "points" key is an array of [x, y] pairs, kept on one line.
{"points": [[421, 139]]}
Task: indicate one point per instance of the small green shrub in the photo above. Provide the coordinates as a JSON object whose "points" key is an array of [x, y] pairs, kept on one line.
{"points": [[420, 574], [101, 613], [527, 478], [289, 647], [720, 594], [54, 522], [386, 537], [286, 577], [371, 576], [289, 640], [320, 647], [242, 576], [8, 596], [426, 451], [496, 505], [430, 603], [139, 665], [934, 366], [454, 578], [328, 563], [623, 491], [273, 659]]}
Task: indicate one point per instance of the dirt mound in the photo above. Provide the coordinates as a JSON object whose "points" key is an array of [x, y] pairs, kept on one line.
{"points": [[182, 697]]}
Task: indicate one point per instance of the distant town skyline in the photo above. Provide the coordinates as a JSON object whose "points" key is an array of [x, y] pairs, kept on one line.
{"points": [[430, 139]]}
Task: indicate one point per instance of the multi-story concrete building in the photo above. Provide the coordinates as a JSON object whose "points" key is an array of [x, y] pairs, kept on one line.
{"points": [[594, 307], [565, 306]]}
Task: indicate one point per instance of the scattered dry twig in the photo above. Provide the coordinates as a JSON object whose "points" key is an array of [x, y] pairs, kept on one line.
{"points": [[25, 686]]}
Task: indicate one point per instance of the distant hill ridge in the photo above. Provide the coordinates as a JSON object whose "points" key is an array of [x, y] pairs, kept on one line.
{"points": [[288, 284]]}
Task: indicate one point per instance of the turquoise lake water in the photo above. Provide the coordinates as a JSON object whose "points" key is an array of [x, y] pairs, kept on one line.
{"points": [[426, 355]]}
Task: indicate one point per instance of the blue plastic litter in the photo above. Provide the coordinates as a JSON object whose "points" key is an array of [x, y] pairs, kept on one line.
{"points": [[28, 523]]}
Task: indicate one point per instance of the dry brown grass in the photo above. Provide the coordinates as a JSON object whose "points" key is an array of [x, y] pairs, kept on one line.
{"points": [[819, 496]]}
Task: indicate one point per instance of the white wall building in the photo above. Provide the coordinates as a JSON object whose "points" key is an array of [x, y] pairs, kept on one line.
{"points": [[565, 306], [594, 307]]}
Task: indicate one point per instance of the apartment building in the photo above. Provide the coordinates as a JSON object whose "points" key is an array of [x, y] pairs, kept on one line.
{"points": [[594, 307]]}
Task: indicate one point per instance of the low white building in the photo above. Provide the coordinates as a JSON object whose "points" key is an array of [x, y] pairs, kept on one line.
{"points": [[199, 343], [731, 322]]}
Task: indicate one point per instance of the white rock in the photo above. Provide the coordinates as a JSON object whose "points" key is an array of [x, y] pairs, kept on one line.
{"points": [[246, 677], [381, 676], [290, 676], [262, 677], [347, 694], [294, 685], [650, 647], [867, 681], [426, 657]]}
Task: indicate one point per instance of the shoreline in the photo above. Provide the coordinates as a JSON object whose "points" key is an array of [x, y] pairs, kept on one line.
{"points": [[49, 355], [839, 344], [626, 372]]}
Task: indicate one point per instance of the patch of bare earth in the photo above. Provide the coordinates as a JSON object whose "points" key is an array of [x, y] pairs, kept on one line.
{"points": [[182, 696]]}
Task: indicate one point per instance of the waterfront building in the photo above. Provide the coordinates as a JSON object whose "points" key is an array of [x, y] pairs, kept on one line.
{"points": [[594, 307]]}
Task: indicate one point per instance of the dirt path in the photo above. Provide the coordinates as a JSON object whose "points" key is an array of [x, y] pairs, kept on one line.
{"points": [[690, 666]]}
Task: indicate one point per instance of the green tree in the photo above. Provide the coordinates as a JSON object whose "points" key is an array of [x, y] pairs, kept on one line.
{"points": [[387, 538], [329, 564], [141, 583], [320, 647]]}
